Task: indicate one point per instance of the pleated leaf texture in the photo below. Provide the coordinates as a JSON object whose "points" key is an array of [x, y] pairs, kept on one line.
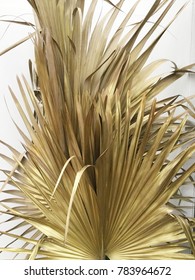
{"points": [[105, 158]]}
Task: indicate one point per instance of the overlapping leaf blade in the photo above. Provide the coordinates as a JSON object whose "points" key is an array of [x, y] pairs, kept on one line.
{"points": [[98, 170]]}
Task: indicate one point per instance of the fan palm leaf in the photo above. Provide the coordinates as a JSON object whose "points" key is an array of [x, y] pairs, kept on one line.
{"points": [[102, 158]]}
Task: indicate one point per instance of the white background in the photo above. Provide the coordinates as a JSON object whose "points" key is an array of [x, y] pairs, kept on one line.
{"points": [[178, 44]]}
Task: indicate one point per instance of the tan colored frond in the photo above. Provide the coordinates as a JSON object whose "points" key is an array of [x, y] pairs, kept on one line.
{"points": [[104, 159]]}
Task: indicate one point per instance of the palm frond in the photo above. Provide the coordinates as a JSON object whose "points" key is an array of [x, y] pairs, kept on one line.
{"points": [[103, 158]]}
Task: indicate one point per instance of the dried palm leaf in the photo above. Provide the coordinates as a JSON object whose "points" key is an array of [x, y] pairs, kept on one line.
{"points": [[103, 158]]}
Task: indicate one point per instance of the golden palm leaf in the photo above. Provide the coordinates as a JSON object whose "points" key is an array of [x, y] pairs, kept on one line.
{"points": [[104, 159]]}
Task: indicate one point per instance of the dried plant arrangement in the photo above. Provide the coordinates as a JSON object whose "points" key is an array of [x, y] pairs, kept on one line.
{"points": [[105, 157]]}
